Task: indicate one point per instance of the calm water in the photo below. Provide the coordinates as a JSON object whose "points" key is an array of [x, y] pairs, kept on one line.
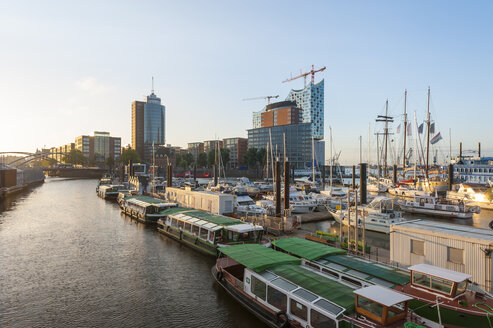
{"points": [[70, 259]]}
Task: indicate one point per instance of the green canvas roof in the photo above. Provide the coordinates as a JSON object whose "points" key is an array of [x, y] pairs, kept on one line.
{"points": [[306, 249], [257, 257], [327, 288], [148, 199], [202, 215], [372, 269]]}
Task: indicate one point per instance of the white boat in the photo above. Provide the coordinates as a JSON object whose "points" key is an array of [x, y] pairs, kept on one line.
{"points": [[335, 192], [378, 215], [244, 205], [433, 205], [404, 190], [110, 191], [471, 196], [375, 187], [297, 202]]}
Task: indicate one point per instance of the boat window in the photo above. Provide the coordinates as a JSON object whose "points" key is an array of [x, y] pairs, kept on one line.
{"points": [[195, 230], [187, 226], [306, 295], [441, 285], [421, 279], [258, 288], [330, 272], [396, 310], [328, 306], [181, 224], [268, 275], [318, 320], [461, 287], [277, 298], [417, 247], [203, 233], [351, 281], [310, 264], [298, 309], [284, 284], [370, 306]]}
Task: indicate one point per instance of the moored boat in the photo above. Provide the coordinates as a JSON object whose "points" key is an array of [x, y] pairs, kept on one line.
{"points": [[435, 206], [144, 208], [207, 232], [110, 191], [282, 293]]}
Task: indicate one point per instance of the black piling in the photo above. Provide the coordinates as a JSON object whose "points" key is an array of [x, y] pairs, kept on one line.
{"points": [[354, 176], [214, 169], [394, 169], [286, 185], [362, 183], [277, 187], [130, 168], [169, 175], [460, 151], [450, 176], [195, 173], [479, 149]]}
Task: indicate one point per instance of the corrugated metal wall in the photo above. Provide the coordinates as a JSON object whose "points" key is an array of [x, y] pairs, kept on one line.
{"points": [[476, 262]]}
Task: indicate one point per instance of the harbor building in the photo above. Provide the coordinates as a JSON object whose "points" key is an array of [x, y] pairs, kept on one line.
{"points": [[237, 149], [311, 100], [195, 148], [99, 147], [148, 126], [474, 169], [211, 145], [454, 247], [298, 143]]}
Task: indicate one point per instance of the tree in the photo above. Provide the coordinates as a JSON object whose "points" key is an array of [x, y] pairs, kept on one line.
{"points": [[261, 156], [110, 162], [128, 155], [251, 157], [224, 156], [211, 157], [75, 157], [202, 159], [188, 158]]}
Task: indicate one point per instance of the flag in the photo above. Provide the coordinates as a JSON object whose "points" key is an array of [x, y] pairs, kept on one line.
{"points": [[432, 128], [420, 128], [436, 139], [399, 128], [409, 131]]}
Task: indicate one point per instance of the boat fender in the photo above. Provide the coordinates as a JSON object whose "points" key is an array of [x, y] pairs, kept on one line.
{"points": [[282, 319], [219, 276], [491, 224]]}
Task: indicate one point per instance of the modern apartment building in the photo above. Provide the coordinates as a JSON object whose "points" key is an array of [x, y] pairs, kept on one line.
{"points": [[148, 126], [99, 147], [195, 148], [280, 113], [237, 149], [211, 145]]}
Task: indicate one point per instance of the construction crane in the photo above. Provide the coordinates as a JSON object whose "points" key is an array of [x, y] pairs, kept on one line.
{"points": [[266, 97], [304, 75]]}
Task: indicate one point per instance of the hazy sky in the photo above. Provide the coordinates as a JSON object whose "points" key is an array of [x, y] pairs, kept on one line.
{"points": [[69, 68]]}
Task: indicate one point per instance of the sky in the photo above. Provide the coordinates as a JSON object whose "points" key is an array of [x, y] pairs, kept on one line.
{"points": [[69, 68]]}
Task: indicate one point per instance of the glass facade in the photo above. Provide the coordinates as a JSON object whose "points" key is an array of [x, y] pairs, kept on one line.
{"points": [[311, 100], [154, 125], [298, 143], [101, 145]]}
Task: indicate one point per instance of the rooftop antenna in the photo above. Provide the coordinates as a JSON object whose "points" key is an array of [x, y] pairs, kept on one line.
{"points": [[152, 90]]}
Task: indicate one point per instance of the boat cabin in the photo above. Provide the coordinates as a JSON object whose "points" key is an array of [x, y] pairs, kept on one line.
{"points": [[381, 304], [443, 282], [216, 229], [147, 206], [382, 205]]}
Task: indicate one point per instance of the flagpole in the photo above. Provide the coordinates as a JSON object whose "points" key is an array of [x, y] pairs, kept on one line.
{"points": [[405, 135], [428, 136]]}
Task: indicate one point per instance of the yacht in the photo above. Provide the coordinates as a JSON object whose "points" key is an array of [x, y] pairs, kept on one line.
{"points": [[244, 205], [472, 196], [435, 206]]}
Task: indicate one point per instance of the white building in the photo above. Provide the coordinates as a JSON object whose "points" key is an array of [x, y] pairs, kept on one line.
{"points": [[212, 202], [455, 247]]}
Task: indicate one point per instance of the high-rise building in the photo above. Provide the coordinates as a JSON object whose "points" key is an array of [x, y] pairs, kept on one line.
{"points": [[311, 100], [195, 148], [211, 145], [148, 126], [280, 113], [237, 149]]}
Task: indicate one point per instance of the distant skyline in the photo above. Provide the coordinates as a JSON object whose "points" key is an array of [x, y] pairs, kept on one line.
{"points": [[72, 68]]}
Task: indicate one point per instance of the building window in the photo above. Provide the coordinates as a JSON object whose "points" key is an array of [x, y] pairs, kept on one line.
{"points": [[455, 255], [417, 247]]}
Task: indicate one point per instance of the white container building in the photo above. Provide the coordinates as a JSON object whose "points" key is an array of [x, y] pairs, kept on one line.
{"points": [[212, 202], [455, 247]]}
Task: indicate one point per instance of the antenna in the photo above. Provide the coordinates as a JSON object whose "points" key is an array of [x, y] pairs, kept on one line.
{"points": [[152, 90]]}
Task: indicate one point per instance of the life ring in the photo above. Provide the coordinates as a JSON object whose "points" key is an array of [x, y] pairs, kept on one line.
{"points": [[219, 276], [282, 319]]}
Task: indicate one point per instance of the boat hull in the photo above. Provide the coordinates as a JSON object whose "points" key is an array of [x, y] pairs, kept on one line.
{"points": [[188, 240], [416, 210]]}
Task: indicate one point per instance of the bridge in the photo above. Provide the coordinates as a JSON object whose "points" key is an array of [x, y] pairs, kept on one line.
{"points": [[56, 171]]}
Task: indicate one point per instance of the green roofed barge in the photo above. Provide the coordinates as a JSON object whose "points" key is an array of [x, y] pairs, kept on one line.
{"points": [[282, 293], [207, 232]]}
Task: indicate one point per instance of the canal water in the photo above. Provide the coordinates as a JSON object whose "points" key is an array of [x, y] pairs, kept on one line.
{"points": [[70, 259]]}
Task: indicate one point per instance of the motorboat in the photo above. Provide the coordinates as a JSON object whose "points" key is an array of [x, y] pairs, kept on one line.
{"points": [[435, 206]]}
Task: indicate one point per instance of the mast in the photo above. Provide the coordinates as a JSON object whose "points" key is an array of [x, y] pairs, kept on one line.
{"points": [[415, 146], [369, 142], [405, 134], [267, 165], [271, 154], [313, 159], [428, 136], [331, 160], [386, 135]]}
